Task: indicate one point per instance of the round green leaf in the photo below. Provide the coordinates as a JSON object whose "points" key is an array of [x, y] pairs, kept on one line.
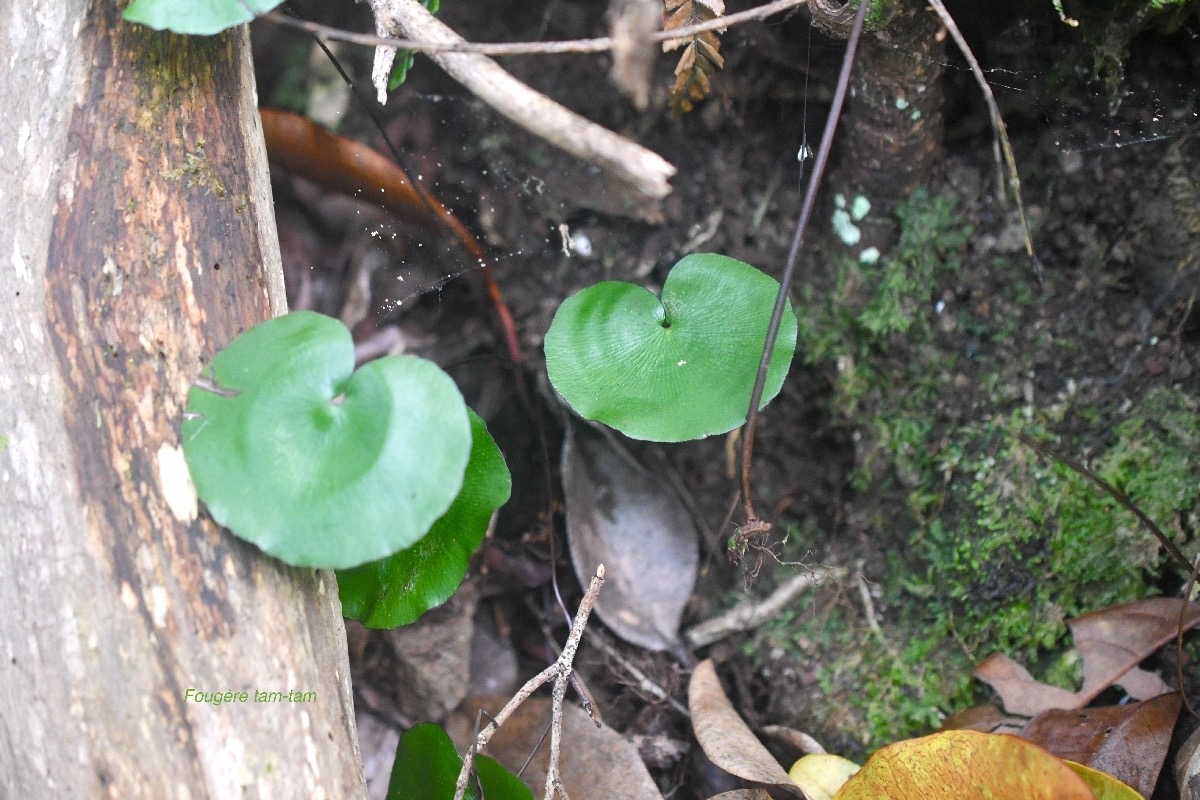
{"points": [[426, 765], [676, 369], [394, 591], [316, 466], [498, 783], [203, 17]]}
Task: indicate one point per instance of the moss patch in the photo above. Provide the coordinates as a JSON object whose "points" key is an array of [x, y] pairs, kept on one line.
{"points": [[985, 545]]}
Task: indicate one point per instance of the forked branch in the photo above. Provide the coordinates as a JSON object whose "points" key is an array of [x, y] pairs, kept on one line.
{"points": [[560, 671]]}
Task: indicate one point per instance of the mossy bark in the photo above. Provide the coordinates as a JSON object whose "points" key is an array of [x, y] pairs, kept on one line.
{"points": [[139, 227], [891, 130]]}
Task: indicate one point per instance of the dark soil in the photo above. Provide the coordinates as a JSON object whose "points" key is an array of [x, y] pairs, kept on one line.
{"points": [[1104, 316]]}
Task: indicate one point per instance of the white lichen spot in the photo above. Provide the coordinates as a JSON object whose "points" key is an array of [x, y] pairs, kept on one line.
{"points": [[681, 363], [310, 750], [19, 263], [846, 230], [128, 598], [158, 606], [110, 271], [869, 256], [839, 200], [176, 483], [901, 104], [860, 208], [916, 115], [24, 134], [581, 244]]}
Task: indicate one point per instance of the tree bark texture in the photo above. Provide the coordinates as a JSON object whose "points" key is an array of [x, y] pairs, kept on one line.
{"points": [[892, 129], [137, 238]]}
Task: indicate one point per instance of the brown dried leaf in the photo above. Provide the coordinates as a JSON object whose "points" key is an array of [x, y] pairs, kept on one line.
{"points": [[708, 46], [595, 762], [726, 739], [1142, 685], [1113, 640], [625, 517], [1128, 742], [681, 13], [1018, 690], [1110, 643], [701, 56], [985, 719], [687, 63], [678, 17]]}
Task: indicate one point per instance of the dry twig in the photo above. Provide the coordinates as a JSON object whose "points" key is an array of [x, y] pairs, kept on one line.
{"points": [[644, 682], [754, 525], [644, 169], [560, 671], [597, 45], [752, 614]]}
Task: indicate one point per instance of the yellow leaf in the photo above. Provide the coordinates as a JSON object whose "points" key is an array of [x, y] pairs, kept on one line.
{"points": [[820, 775], [1103, 785], [964, 765]]}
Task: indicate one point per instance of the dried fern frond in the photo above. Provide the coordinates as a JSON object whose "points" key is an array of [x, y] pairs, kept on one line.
{"points": [[701, 55]]}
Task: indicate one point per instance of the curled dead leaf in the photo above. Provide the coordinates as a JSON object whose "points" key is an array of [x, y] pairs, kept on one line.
{"points": [[1019, 691], [725, 737]]}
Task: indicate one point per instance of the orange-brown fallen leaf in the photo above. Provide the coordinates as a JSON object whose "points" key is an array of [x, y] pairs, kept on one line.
{"points": [[340, 164], [1128, 742], [1110, 643], [964, 765]]}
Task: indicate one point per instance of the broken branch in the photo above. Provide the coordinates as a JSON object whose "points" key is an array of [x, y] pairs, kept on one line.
{"points": [[644, 169]]}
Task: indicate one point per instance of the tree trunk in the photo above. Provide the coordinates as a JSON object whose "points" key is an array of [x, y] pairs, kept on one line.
{"points": [[138, 238], [892, 129]]}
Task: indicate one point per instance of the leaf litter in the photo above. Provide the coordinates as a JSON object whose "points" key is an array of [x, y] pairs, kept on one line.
{"points": [[623, 516], [1110, 642]]}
